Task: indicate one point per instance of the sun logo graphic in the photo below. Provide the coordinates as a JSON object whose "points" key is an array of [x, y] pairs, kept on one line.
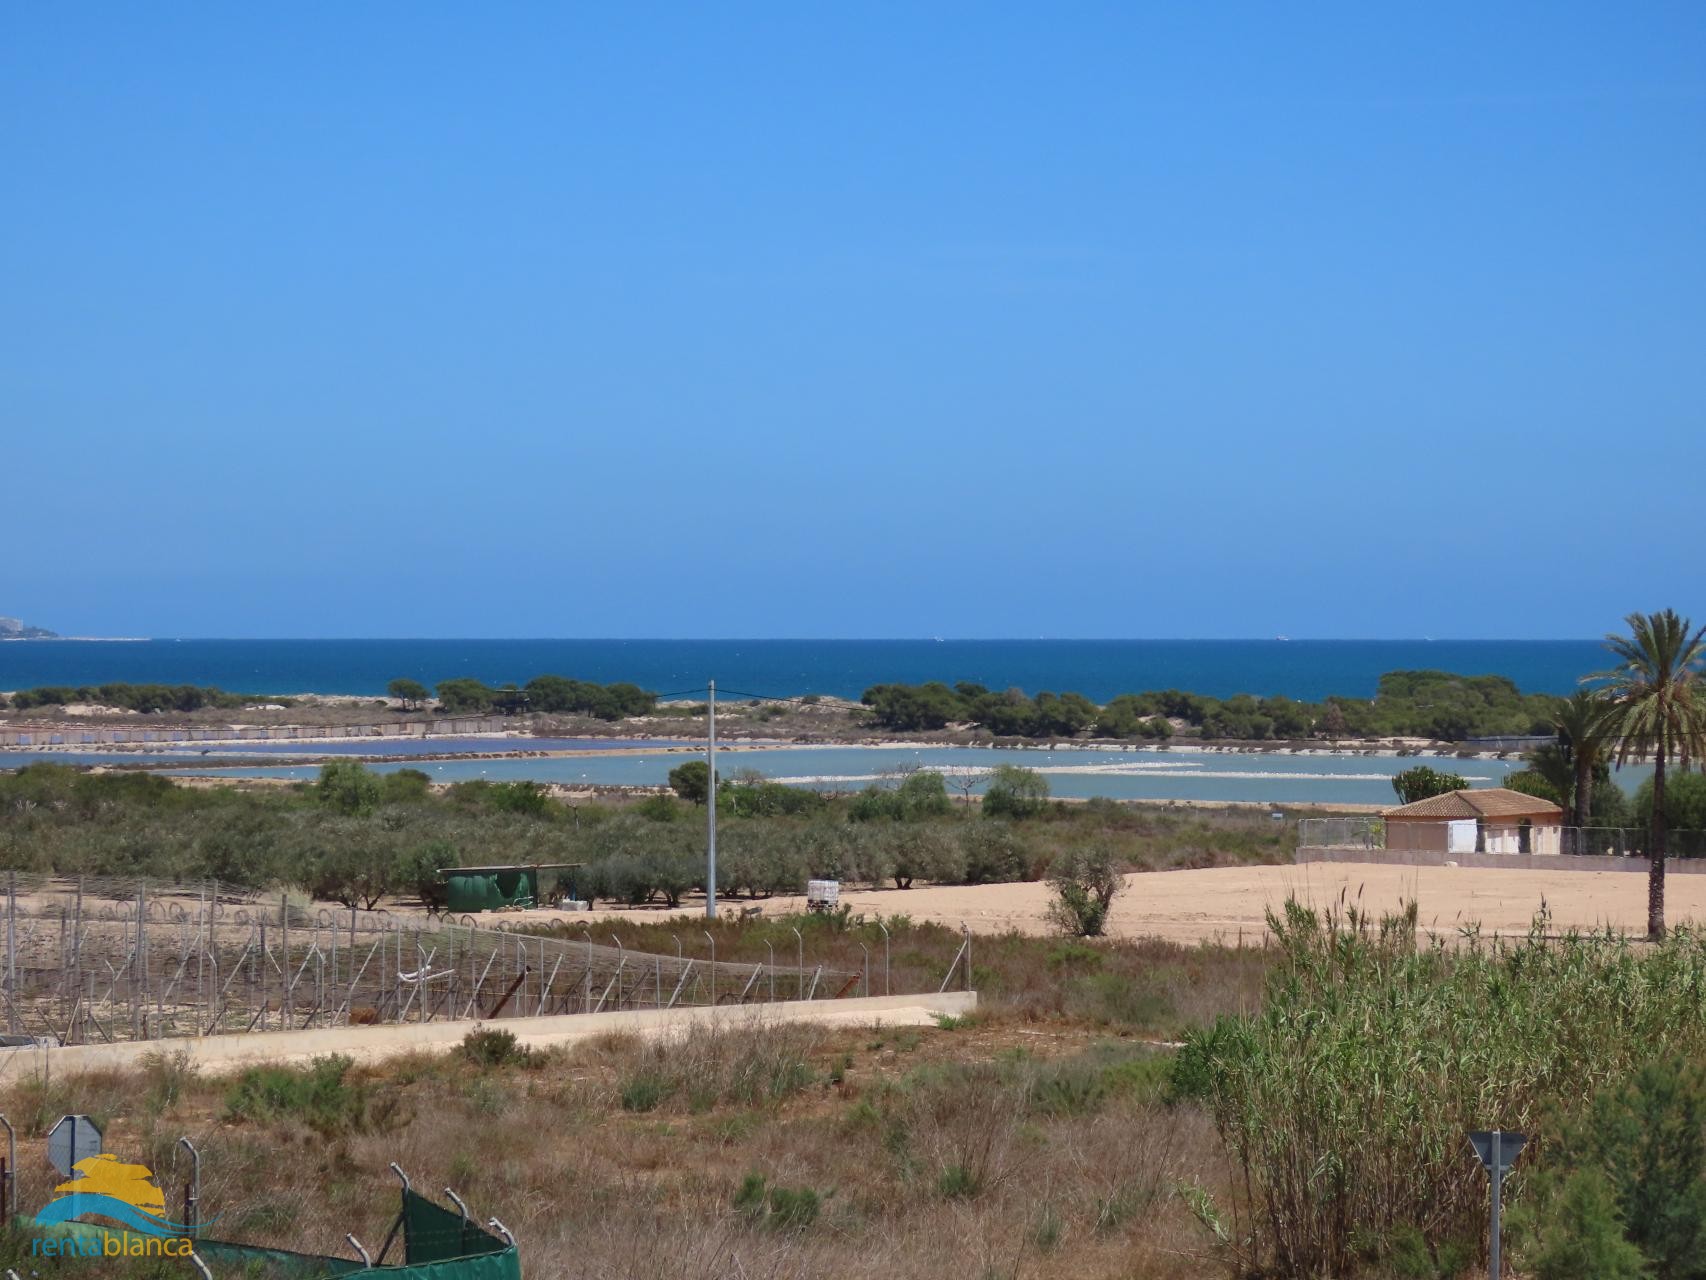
{"points": [[106, 1186]]}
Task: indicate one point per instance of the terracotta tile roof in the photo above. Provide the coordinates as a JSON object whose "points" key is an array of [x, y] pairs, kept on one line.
{"points": [[1478, 802]]}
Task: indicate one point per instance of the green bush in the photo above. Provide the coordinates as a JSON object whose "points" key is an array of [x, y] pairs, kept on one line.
{"points": [[1085, 883], [494, 1047], [778, 1208], [645, 1091], [922, 794], [760, 799], [1633, 1167], [1408, 1256], [319, 1095], [348, 786], [658, 808], [1580, 1235], [956, 1182], [995, 853], [1014, 792]]}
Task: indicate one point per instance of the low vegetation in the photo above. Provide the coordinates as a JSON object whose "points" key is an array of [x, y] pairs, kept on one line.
{"points": [[1344, 1102], [144, 698], [356, 836], [545, 694], [1428, 704]]}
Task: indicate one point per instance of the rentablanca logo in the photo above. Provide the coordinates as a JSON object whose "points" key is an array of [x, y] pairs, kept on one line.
{"points": [[124, 1193]]}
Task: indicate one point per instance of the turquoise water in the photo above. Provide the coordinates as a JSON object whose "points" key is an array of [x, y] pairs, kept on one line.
{"points": [[1100, 669], [1154, 775]]}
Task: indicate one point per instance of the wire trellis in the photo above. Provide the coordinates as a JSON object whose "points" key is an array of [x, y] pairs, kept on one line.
{"points": [[103, 960]]}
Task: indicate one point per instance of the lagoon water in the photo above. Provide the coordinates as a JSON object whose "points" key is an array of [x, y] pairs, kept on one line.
{"points": [[1100, 669], [1135, 774]]}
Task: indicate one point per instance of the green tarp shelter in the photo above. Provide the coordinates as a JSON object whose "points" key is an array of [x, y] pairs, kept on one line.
{"points": [[470, 889]]}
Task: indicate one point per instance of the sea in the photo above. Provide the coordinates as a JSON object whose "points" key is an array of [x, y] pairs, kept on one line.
{"points": [[1099, 669]]}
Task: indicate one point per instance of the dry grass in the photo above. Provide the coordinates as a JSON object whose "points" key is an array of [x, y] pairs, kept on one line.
{"points": [[1135, 987], [1002, 1147]]}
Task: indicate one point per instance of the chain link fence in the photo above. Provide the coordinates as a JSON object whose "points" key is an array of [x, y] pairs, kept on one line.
{"points": [[103, 960]]}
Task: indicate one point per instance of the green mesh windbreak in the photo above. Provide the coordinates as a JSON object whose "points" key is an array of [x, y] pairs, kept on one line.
{"points": [[253, 1262], [432, 1233], [437, 1245]]}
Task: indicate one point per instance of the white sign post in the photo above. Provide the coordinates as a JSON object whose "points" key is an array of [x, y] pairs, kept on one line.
{"points": [[1497, 1151]]}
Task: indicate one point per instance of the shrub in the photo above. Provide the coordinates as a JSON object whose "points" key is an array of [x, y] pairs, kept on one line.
{"points": [[167, 1074], [1085, 883], [658, 808], [1015, 793], [921, 851], [348, 786], [956, 1182], [494, 1047], [319, 1095], [1581, 1235], [705, 1066], [645, 1091], [1408, 1256], [1631, 1168], [760, 799], [404, 786], [995, 853], [778, 1208], [522, 796]]}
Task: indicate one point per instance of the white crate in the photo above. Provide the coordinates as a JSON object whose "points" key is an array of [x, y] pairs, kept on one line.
{"points": [[822, 895]]}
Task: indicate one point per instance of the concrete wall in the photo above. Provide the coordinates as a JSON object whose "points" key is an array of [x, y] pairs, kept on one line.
{"points": [[1506, 861], [218, 1054]]}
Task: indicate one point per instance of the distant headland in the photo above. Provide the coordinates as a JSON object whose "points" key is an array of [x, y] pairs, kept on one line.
{"points": [[16, 629]]}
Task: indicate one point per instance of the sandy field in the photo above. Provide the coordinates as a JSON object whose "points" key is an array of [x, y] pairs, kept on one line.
{"points": [[1228, 904]]}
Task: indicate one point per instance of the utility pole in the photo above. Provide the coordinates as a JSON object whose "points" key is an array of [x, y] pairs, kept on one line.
{"points": [[711, 807]]}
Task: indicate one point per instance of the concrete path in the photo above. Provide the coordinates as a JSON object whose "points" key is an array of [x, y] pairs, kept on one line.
{"points": [[219, 1054]]}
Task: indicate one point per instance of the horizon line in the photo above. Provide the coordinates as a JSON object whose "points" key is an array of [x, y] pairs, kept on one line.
{"points": [[823, 639]]}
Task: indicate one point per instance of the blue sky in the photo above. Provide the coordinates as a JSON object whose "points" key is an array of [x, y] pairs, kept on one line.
{"points": [[862, 320]]}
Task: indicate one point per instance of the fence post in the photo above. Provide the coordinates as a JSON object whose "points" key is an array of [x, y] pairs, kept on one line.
{"points": [[11, 961], [288, 1014], [8, 1179], [192, 1190]]}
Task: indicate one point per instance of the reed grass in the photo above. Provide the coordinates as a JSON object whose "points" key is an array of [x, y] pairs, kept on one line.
{"points": [[1344, 1102]]}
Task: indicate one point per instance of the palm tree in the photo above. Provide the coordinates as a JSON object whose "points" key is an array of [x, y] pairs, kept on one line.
{"points": [[1585, 734], [1657, 698]]}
